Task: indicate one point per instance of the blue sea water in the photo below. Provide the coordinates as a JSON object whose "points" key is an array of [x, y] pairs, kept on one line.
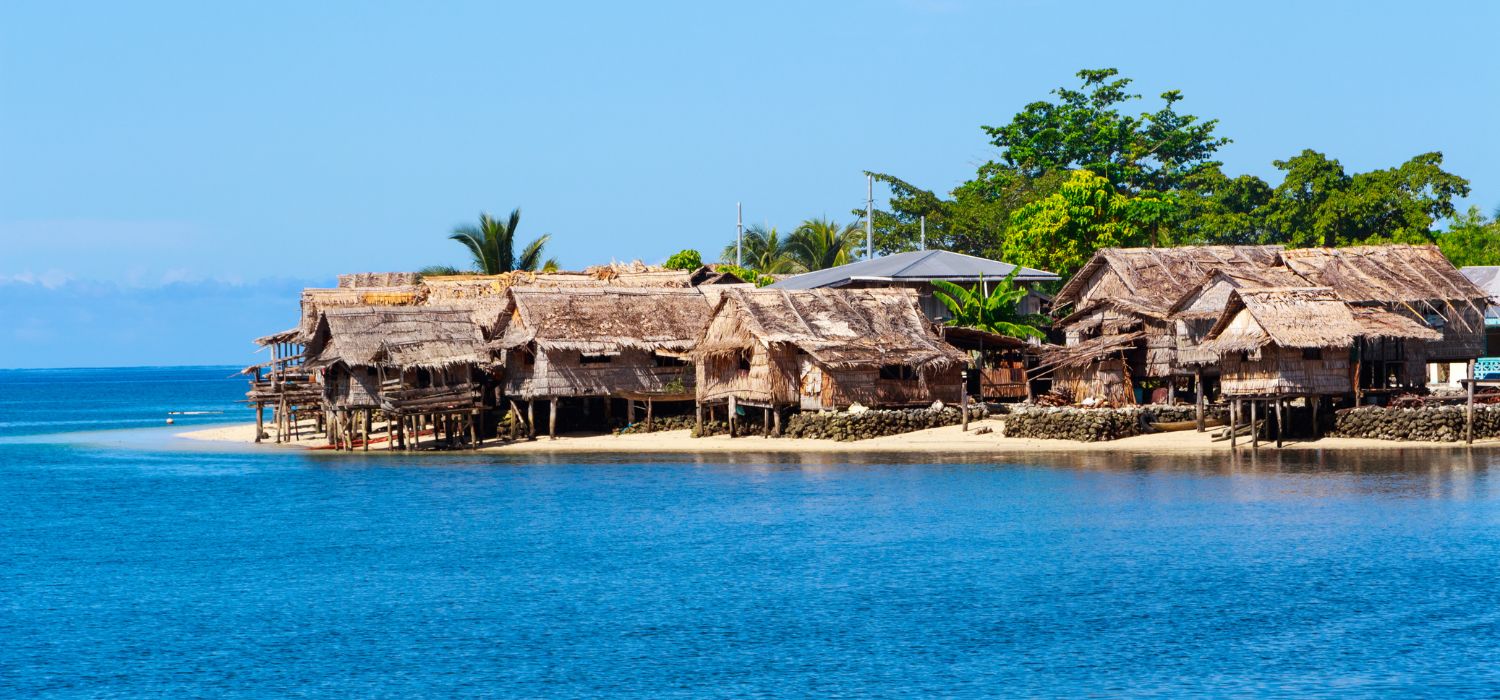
{"points": [[133, 564]]}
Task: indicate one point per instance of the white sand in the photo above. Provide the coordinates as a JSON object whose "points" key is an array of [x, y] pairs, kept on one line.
{"points": [[951, 439]]}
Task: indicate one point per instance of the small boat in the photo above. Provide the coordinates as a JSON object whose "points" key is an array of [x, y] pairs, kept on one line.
{"points": [[1174, 426]]}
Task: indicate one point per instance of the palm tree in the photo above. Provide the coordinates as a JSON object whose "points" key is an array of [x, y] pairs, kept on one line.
{"points": [[819, 244], [764, 252], [493, 246], [995, 312]]}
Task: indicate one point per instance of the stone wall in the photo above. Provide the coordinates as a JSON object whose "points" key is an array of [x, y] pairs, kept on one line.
{"points": [[1429, 423], [1094, 424], [847, 427]]}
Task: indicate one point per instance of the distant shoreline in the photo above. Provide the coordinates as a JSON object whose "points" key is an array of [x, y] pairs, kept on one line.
{"points": [[950, 439]]}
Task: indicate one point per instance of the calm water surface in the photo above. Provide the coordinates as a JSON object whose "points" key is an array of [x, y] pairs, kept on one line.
{"points": [[133, 565]]}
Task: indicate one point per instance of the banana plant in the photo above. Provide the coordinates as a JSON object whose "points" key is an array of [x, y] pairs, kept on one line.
{"points": [[996, 312]]}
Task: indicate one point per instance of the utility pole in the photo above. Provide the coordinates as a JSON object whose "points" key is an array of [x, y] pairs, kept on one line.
{"points": [[869, 217], [739, 235], [924, 232]]}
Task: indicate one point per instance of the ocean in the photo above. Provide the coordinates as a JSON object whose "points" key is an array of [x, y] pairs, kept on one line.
{"points": [[136, 564]]}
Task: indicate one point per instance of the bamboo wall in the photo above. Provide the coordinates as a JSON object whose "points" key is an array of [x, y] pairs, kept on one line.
{"points": [[1101, 379], [1275, 370], [352, 387], [784, 376], [562, 373]]}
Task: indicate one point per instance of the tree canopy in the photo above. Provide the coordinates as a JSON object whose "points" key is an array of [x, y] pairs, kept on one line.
{"points": [[492, 245], [1168, 187]]}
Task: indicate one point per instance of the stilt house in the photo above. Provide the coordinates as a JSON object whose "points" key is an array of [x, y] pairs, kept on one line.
{"points": [[817, 349], [601, 342], [1298, 342], [405, 363], [1408, 280]]}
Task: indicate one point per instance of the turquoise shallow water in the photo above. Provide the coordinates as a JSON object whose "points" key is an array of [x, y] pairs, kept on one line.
{"points": [[135, 565]]}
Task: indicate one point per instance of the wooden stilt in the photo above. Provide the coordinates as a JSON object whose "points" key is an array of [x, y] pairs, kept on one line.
{"points": [[1316, 403], [552, 420], [630, 411], [1469, 408], [731, 416], [531, 419], [698, 419], [649, 408], [609, 412], [765, 423], [1234, 421], [1200, 401], [776, 417], [963, 403], [1254, 429], [369, 424], [1280, 420], [260, 420]]}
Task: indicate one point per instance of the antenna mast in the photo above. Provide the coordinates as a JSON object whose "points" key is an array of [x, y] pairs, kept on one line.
{"points": [[869, 217], [739, 235]]}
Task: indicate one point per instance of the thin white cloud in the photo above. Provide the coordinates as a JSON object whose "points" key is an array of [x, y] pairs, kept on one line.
{"points": [[50, 279]]}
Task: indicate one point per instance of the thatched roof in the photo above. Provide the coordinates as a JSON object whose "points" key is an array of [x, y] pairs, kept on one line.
{"points": [[1208, 298], [360, 280], [840, 328], [604, 320], [393, 336], [1302, 317], [291, 335], [1385, 273], [1156, 278], [1081, 354], [315, 301]]}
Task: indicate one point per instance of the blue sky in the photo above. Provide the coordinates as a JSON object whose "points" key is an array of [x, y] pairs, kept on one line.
{"points": [[174, 171]]}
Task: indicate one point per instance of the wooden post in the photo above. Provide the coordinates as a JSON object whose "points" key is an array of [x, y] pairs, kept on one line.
{"points": [[698, 419], [260, 420], [649, 406], [531, 419], [731, 415], [1280, 421], [1200, 401], [765, 423], [630, 411], [776, 418], [1316, 402], [476, 419], [369, 424], [963, 406], [552, 420], [1469, 412], [515, 419], [1234, 421], [1254, 429], [609, 412]]}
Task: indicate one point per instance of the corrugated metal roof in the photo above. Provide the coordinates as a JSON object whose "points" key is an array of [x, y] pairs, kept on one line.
{"points": [[1487, 278], [913, 266]]}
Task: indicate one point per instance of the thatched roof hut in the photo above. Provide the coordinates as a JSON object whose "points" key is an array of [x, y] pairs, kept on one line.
{"points": [[1414, 281], [1154, 279], [1297, 341], [825, 348], [602, 341], [387, 356]]}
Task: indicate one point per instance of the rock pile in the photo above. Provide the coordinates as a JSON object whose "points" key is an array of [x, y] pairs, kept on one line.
{"points": [[1093, 424], [864, 425], [1429, 423]]}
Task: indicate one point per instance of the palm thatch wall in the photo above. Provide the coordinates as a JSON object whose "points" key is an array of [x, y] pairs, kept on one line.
{"points": [[825, 349], [602, 341], [1414, 281], [1298, 341]]}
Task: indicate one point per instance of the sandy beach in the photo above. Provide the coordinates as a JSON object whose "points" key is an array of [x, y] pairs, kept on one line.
{"points": [[950, 439]]}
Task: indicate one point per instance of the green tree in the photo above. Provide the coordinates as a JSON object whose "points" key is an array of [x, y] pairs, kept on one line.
{"points": [[1471, 239], [1061, 231], [996, 312], [687, 259], [764, 252], [1319, 204], [492, 246], [1086, 128], [818, 244]]}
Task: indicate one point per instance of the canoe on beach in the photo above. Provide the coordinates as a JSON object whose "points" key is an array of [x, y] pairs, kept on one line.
{"points": [[1174, 426]]}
